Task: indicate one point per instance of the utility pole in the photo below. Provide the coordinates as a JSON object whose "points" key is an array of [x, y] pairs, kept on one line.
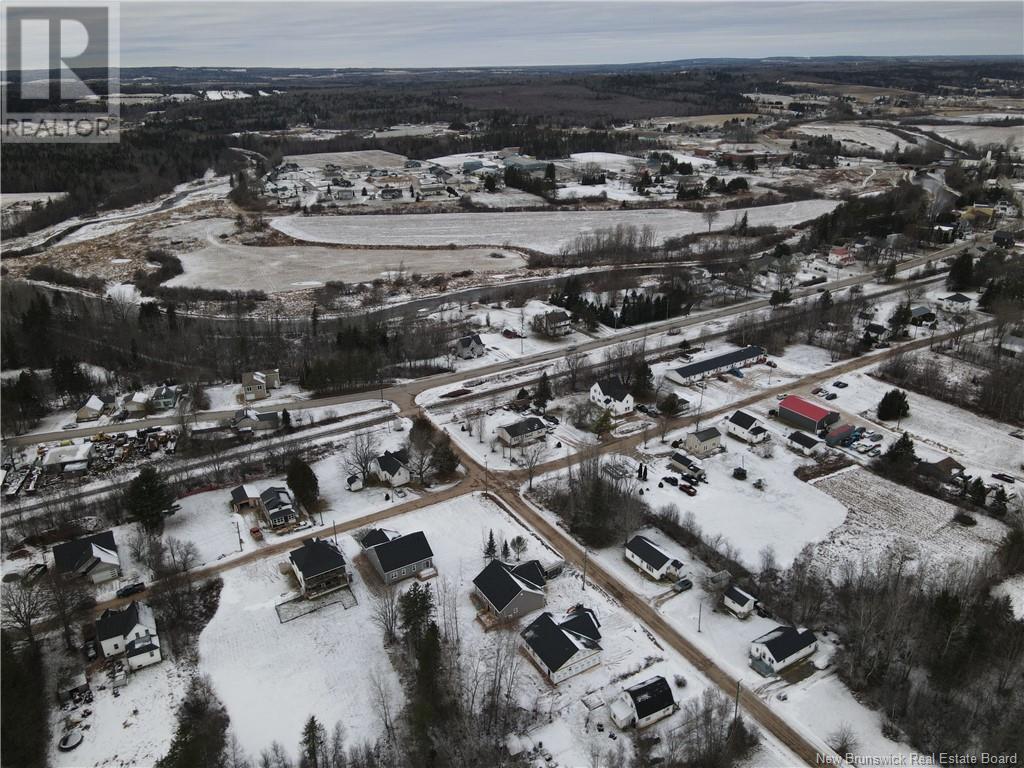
{"points": [[585, 554], [736, 707], [335, 524], [700, 613], [239, 532]]}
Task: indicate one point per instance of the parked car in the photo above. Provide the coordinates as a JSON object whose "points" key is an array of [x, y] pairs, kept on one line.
{"points": [[840, 384], [90, 650], [688, 489], [1004, 477], [682, 585], [70, 425], [874, 437], [670, 479], [863, 447], [131, 589], [831, 396], [875, 452], [782, 397], [817, 391]]}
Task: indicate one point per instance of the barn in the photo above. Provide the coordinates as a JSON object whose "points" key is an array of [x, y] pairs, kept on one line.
{"points": [[805, 414]]}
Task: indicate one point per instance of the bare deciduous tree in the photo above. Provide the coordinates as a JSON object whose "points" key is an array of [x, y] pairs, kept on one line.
{"points": [[23, 605], [532, 456], [64, 595], [362, 450], [384, 601]]}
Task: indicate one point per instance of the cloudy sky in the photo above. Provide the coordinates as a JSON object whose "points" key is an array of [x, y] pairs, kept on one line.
{"points": [[424, 33]]}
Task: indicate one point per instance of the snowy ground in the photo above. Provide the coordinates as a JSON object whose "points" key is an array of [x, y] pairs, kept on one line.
{"points": [[134, 729], [1014, 589], [817, 705], [863, 136], [787, 515], [507, 198], [979, 134], [546, 231], [226, 397], [312, 665], [484, 417], [882, 514]]}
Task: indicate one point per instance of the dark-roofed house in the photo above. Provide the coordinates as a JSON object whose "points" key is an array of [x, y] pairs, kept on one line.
{"points": [[278, 506], [746, 427], [556, 323], [247, 419], [509, 591], [400, 557], [116, 627], [957, 302], [94, 557], [650, 558], [922, 316], [468, 347], [689, 468], [947, 470], [522, 432], [739, 602], [875, 330], [244, 498], [562, 650], [710, 366], [801, 442], [1004, 238], [804, 414], [703, 442], [165, 397], [643, 704], [612, 395], [375, 536], [319, 566], [778, 649], [391, 468]]}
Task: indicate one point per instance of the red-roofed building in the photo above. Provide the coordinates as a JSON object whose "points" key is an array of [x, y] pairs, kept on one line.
{"points": [[806, 415]]}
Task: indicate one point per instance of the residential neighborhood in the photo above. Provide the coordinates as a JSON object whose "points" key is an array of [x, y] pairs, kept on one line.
{"points": [[589, 385]]}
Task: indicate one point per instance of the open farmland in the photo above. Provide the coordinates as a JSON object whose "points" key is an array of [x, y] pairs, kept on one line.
{"points": [[852, 134], [882, 514], [350, 161], [979, 134], [531, 229]]}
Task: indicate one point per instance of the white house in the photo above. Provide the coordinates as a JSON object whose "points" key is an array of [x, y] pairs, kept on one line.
{"points": [[143, 652], [643, 704], [841, 257], [522, 432], [957, 302], [746, 427], [780, 648], [256, 385], [390, 468], [651, 559], [117, 627], [468, 347], [703, 442], [808, 445], [739, 602], [612, 395], [278, 506], [562, 650]]}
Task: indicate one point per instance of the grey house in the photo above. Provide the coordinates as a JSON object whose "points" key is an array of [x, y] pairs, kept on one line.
{"points": [[399, 557], [509, 591]]}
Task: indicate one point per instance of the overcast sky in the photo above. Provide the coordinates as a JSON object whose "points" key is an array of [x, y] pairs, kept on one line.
{"points": [[469, 34]]}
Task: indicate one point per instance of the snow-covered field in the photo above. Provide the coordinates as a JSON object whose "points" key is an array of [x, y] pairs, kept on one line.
{"points": [[863, 136], [882, 514], [979, 134], [226, 397], [546, 231], [507, 198], [787, 515]]}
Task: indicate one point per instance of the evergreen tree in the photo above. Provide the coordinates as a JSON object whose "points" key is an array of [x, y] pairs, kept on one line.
{"points": [[978, 492], [901, 317], [603, 423], [303, 483], [443, 459], [149, 499], [893, 405], [889, 274], [643, 379], [490, 549], [415, 609], [505, 553], [543, 394], [900, 459], [825, 301], [286, 419], [670, 404], [780, 297], [999, 501], [961, 273], [313, 746]]}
